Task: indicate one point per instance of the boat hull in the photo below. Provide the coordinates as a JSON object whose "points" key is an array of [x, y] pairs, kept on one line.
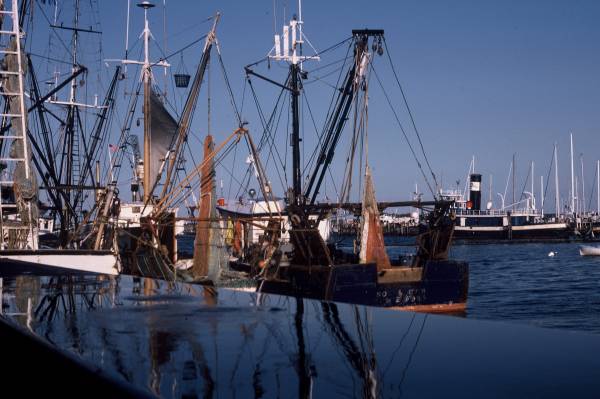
{"points": [[440, 286], [542, 231], [586, 250], [103, 262]]}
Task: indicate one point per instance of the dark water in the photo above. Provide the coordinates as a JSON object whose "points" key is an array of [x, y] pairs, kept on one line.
{"points": [[178, 340], [520, 282]]}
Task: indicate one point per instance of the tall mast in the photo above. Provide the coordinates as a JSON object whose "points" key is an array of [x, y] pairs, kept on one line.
{"points": [[598, 186], [70, 169], [542, 194], [72, 110], [532, 181], [297, 183], [513, 182], [490, 193], [146, 76], [289, 48], [582, 185], [572, 179], [556, 189]]}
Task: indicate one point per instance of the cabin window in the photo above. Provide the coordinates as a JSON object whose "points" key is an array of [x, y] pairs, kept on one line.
{"points": [[484, 222], [135, 209]]}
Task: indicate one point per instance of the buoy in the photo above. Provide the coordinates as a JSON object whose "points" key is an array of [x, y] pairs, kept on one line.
{"points": [[552, 253]]}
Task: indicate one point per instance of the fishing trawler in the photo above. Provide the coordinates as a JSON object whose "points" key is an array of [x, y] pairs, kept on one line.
{"points": [[304, 265], [27, 155]]}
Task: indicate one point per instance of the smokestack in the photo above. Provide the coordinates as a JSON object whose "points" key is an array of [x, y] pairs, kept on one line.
{"points": [[475, 191]]}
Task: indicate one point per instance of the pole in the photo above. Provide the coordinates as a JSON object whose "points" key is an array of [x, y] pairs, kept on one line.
{"points": [[297, 184], [572, 180], [542, 194], [582, 185], [513, 182], [556, 190], [147, 143], [532, 178]]}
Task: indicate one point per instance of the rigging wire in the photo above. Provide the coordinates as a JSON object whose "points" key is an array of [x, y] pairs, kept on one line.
{"points": [[410, 146], [409, 113], [548, 177], [589, 206], [54, 30], [267, 135]]}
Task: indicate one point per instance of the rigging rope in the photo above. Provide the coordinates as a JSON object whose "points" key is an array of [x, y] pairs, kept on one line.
{"points": [[412, 150], [410, 113]]}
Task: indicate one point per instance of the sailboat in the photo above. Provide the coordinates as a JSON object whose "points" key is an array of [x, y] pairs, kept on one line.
{"points": [[292, 256]]}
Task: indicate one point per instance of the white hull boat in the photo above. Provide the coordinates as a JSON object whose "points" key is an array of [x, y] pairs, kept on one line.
{"points": [[86, 261], [588, 250]]}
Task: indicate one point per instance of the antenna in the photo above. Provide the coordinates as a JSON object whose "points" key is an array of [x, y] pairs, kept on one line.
{"points": [[288, 46]]}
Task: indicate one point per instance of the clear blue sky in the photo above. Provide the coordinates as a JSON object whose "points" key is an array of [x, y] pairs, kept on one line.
{"points": [[483, 78]]}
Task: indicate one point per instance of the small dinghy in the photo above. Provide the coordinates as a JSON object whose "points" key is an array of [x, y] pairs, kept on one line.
{"points": [[588, 250]]}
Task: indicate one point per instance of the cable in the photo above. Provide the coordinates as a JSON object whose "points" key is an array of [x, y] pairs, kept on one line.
{"points": [[410, 113], [403, 132]]}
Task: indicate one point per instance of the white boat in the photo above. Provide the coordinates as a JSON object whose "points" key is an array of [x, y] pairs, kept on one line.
{"points": [[54, 260], [588, 250]]}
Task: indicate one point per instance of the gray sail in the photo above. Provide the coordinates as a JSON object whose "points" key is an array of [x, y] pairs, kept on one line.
{"points": [[163, 129]]}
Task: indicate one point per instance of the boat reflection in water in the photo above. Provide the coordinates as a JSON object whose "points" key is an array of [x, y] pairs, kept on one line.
{"points": [[179, 340]]}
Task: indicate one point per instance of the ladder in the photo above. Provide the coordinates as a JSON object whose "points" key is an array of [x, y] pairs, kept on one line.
{"points": [[18, 229]]}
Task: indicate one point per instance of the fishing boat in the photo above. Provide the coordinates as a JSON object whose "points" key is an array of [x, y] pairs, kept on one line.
{"points": [[301, 263], [24, 160]]}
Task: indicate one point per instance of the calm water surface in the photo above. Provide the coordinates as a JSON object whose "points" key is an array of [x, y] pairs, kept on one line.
{"points": [[521, 283]]}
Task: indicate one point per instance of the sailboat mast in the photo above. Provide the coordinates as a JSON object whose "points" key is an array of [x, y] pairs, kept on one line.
{"points": [[556, 190], [513, 182], [572, 179], [542, 195], [532, 181], [598, 186], [582, 207]]}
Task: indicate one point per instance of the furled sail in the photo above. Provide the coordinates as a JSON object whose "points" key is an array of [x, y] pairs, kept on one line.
{"points": [[163, 129], [372, 247]]}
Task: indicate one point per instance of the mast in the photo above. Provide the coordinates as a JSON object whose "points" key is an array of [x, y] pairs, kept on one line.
{"points": [[72, 172], [598, 186], [147, 76], [542, 194], [490, 192], [146, 65], [297, 183], [532, 182], [289, 48], [513, 182], [582, 185], [556, 190], [572, 180]]}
